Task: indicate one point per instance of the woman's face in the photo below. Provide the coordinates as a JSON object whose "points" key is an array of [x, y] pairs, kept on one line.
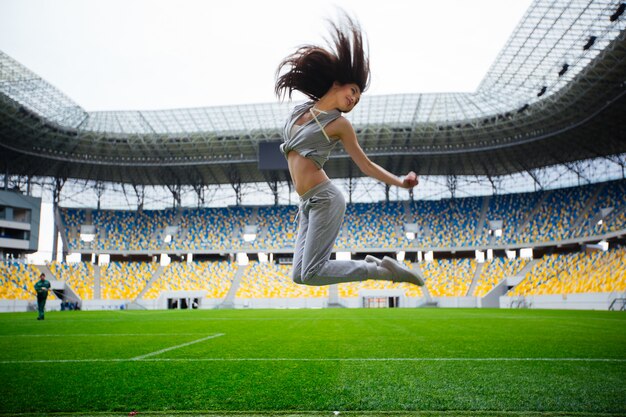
{"points": [[347, 96]]}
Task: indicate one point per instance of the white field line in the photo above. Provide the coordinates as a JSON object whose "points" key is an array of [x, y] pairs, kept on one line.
{"points": [[158, 352], [143, 359], [100, 334], [317, 319]]}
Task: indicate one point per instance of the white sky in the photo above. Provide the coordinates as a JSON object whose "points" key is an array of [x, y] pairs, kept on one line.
{"points": [[157, 54], [46, 234]]}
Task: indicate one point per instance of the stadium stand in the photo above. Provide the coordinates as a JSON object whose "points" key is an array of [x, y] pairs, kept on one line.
{"points": [[555, 216], [79, 276], [494, 271], [269, 280], [526, 218], [512, 210], [446, 223], [449, 277], [17, 280], [213, 277], [612, 201], [278, 227], [352, 289], [555, 274], [371, 225], [73, 219], [206, 229], [583, 272], [125, 280]]}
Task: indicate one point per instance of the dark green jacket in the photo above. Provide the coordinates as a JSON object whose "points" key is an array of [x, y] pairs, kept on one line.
{"points": [[39, 287]]}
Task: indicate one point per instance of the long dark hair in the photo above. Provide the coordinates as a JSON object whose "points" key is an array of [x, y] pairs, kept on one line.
{"points": [[312, 69]]}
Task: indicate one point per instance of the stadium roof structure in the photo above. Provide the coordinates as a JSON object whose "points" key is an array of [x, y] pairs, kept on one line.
{"points": [[555, 94]]}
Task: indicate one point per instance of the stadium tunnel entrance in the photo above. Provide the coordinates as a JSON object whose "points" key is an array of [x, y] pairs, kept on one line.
{"points": [[184, 303]]}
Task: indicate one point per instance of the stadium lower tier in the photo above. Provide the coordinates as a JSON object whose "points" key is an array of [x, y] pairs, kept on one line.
{"points": [[513, 219], [574, 273], [17, 281]]}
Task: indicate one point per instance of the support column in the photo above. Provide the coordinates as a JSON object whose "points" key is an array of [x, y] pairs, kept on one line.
{"points": [[56, 196]]}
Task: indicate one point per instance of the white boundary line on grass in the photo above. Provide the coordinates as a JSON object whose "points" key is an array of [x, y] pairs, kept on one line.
{"points": [[158, 352], [143, 358], [100, 334]]}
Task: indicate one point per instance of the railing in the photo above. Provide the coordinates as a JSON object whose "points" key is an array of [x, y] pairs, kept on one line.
{"points": [[520, 302], [618, 304]]}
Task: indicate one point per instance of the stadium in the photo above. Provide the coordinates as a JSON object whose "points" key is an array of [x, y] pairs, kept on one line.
{"points": [[174, 232]]}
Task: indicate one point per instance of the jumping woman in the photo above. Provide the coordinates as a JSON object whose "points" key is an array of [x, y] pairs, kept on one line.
{"points": [[334, 80]]}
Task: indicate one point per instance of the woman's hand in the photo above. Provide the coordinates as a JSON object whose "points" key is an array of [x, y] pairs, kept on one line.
{"points": [[410, 180]]}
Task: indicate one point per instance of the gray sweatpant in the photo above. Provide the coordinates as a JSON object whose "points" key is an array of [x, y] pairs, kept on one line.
{"points": [[320, 215]]}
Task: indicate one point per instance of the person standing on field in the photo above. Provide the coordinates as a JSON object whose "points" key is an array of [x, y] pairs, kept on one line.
{"points": [[41, 288]]}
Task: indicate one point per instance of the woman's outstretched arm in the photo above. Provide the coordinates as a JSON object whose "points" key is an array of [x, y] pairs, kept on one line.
{"points": [[343, 129]]}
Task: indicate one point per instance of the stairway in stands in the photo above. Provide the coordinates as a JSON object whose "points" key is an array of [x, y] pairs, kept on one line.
{"points": [[229, 300]]}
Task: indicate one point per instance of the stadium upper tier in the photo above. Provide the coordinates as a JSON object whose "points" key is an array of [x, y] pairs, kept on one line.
{"points": [[546, 217], [559, 81]]}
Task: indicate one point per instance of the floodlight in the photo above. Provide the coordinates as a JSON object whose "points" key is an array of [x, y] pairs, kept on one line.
{"points": [[526, 253], [242, 259], [87, 237], [603, 246], [343, 256], [495, 227], [103, 259], [249, 232], [410, 230], [87, 232]]}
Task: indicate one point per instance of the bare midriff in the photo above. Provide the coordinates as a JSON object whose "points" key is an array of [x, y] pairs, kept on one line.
{"points": [[304, 173]]}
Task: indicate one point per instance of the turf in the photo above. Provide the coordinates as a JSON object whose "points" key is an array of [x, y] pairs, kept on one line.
{"points": [[401, 362]]}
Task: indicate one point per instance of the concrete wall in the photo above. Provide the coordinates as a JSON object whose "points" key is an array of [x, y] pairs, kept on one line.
{"points": [[281, 302], [593, 301], [405, 302], [20, 306], [590, 301], [13, 306], [92, 305], [457, 302]]}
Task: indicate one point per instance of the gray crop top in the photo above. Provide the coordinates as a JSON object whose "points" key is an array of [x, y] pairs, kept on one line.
{"points": [[309, 140]]}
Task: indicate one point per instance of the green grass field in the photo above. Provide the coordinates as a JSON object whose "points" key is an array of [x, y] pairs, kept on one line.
{"points": [[400, 362]]}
